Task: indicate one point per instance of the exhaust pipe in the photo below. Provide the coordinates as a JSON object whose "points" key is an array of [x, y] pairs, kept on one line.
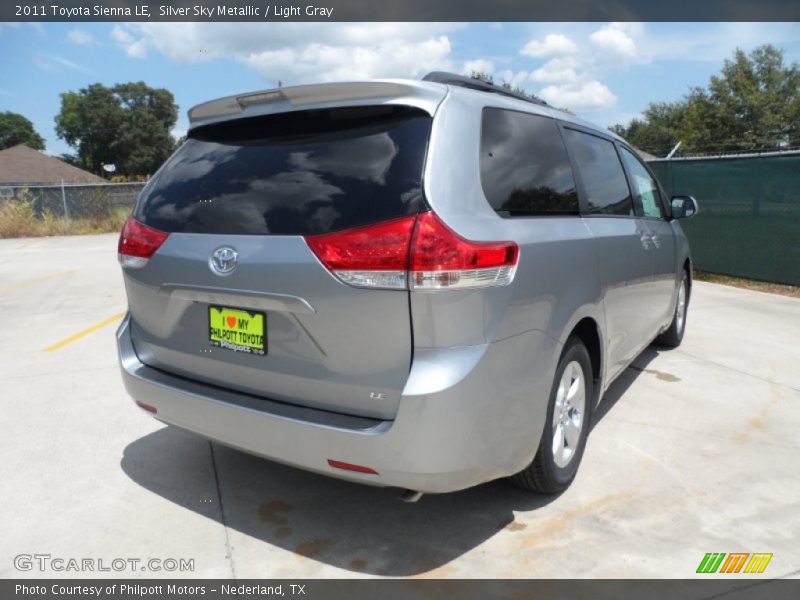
{"points": [[410, 496]]}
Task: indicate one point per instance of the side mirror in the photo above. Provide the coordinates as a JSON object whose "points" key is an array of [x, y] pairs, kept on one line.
{"points": [[683, 207]]}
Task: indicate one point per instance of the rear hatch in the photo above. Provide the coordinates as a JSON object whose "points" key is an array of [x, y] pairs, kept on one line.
{"points": [[251, 195]]}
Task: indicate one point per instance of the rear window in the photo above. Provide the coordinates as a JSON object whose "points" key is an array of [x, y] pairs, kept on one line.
{"points": [[524, 165], [296, 173]]}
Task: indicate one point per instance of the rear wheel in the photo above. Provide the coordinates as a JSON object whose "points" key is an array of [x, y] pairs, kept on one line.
{"points": [[673, 336], [567, 425]]}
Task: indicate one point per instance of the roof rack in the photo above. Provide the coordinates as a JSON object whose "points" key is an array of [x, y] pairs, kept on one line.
{"points": [[478, 84]]}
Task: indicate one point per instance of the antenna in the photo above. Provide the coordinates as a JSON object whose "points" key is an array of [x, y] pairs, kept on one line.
{"points": [[479, 85]]}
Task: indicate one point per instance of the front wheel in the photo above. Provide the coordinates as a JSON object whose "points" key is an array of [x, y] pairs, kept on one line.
{"points": [[673, 336], [567, 425]]}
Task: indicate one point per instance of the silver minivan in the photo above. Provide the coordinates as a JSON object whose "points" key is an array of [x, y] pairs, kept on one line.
{"points": [[419, 284]]}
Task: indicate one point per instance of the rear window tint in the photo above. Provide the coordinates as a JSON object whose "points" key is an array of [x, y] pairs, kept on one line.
{"points": [[295, 173], [607, 190], [524, 165]]}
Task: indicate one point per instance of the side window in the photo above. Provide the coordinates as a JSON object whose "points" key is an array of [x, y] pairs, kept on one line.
{"points": [[524, 165], [644, 187], [607, 190]]}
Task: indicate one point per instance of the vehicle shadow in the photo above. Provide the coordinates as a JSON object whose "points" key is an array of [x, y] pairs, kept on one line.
{"points": [[622, 383], [362, 529]]}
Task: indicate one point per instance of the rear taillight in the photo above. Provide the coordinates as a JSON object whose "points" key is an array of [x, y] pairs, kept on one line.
{"points": [[137, 243], [440, 258], [374, 256], [418, 252]]}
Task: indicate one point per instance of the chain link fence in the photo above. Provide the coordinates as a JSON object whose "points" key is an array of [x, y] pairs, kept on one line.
{"points": [[75, 201], [749, 220]]}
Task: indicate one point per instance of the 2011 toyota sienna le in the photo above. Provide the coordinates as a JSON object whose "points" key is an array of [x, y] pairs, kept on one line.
{"points": [[419, 284]]}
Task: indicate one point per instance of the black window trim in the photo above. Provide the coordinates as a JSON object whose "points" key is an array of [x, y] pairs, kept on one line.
{"points": [[629, 177], [583, 200], [548, 215]]}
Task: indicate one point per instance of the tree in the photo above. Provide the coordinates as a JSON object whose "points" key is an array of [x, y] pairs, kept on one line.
{"points": [[127, 125], [70, 159], [16, 129], [659, 129], [89, 122], [752, 105]]}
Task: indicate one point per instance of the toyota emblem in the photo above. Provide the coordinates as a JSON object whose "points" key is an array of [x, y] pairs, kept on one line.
{"points": [[223, 260]]}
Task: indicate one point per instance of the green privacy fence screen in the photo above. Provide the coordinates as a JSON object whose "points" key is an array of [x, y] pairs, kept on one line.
{"points": [[749, 220]]}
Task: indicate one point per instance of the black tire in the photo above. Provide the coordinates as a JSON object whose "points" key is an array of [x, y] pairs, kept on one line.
{"points": [[673, 336], [543, 475]]}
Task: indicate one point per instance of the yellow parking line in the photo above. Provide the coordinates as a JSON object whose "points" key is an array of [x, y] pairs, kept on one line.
{"points": [[15, 286], [83, 332]]}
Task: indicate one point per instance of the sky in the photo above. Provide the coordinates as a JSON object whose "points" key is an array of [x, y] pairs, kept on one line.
{"points": [[605, 72]]}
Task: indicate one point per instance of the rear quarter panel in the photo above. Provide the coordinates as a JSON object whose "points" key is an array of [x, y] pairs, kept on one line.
{"points": [[556, 283], [555, 286]]}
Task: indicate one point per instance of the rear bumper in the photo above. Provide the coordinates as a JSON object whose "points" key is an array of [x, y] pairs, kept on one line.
{"points": [[468, 415]]}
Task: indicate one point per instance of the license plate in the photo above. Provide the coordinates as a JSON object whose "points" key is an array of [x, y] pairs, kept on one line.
{"points": [[238, 330]]}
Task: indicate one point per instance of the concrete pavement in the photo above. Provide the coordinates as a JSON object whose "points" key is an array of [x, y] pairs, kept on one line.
{"points": [[695, 450]]}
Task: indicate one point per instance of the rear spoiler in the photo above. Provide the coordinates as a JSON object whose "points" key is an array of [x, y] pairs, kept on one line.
{"points": [[423, 95]]}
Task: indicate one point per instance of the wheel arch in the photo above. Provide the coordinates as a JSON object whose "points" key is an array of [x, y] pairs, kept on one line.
{"points": [[587, 329], [688, 266]]}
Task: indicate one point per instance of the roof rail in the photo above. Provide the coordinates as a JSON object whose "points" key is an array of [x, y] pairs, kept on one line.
{"points": [[478, 84]]}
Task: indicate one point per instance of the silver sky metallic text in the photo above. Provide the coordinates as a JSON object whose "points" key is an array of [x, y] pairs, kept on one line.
{"points": [[282, 11]]}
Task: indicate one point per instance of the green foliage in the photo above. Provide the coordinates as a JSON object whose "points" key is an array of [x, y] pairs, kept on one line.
{"points": [[126, 125], [71, 159], [129, 178], [95, 204], [20, 218], [658, 131], [752, 105], [16, 129], [16, 215]]}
